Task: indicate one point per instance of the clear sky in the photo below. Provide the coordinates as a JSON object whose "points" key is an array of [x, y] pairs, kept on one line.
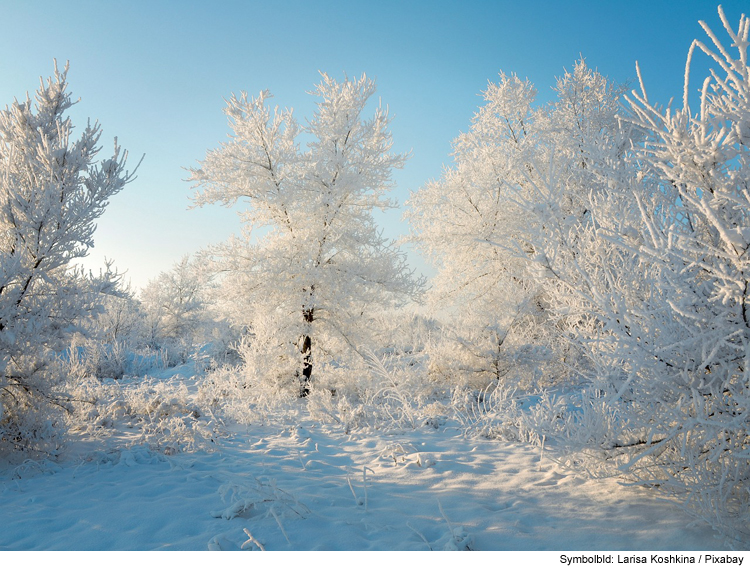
{"points": [[155, 73]]}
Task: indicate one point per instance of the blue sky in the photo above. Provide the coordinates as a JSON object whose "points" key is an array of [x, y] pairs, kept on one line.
{"points": [[155, 74]]}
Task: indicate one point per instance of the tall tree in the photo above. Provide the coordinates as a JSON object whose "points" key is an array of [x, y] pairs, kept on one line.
{"points": [[503, 224], [633, 220], [311, 255], [51, 191]]}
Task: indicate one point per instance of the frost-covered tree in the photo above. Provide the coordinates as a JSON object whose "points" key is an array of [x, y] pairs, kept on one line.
{"points": [[503, 224], [460, 219], [175, 300], [104, 345], [51, 191], [687, 347], [656, 292], [631, 224], [121, 319], [176, 305], [311, 257]]}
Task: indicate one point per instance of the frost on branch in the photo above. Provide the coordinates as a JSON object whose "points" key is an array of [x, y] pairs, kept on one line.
{"points": [[179, 314], [623, 230], [51, 192], [504, 224], [692, 394], [311, 266]]}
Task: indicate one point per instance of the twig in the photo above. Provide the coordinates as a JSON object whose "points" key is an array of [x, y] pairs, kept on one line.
{"points": [[252, 540], [278, 522], [541, 456], [364, 481], [420, 535], [351, 488], [446, 518]]}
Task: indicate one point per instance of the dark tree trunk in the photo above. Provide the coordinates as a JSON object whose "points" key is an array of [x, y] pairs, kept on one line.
{"points": [[306, 350]]}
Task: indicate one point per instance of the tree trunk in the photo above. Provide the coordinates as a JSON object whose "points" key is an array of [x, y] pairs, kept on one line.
{"points": [[306, 350]]}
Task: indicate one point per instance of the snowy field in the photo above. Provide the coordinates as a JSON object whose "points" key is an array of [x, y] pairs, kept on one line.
{"points": [[311, 486]]}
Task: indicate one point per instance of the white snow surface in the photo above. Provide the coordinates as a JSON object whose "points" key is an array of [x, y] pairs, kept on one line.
{"points": [[307, 486]]}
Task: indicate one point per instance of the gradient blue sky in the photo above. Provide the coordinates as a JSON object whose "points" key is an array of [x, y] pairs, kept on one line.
{"points": [[155, 74]]}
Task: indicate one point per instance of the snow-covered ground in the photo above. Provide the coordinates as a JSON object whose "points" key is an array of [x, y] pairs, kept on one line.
{"points": [[314, 487], [296, 484]]}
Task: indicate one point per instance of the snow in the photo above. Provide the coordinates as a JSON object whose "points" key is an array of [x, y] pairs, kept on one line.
{"points": [[307, 486], [368, 501]]}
